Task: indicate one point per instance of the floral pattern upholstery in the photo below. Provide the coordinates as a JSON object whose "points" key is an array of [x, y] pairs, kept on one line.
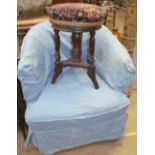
{"points": [[77, 12]]}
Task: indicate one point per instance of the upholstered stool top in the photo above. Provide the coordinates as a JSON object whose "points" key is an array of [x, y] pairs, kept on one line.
{"points": [[76, 12]]}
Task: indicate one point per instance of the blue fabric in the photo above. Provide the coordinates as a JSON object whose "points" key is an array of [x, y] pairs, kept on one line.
{"points": [[113, 62], [71, 112], [36, 63], [35, 68], [73, 97], [50, 137]]}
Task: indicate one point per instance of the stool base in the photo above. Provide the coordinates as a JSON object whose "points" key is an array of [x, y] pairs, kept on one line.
{"points": [[76, 60]]}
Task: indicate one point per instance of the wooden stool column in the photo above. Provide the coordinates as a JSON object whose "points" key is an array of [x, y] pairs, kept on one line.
{"points": [[90, 60], [58, 64], [76, 39]]}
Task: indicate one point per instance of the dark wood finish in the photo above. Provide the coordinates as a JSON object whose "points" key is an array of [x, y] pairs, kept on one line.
{"points": [[58, 65], [21, 106], [77, 30], [91, 69], [91, 48], [67, 1], [72, 1], [76, 39]]}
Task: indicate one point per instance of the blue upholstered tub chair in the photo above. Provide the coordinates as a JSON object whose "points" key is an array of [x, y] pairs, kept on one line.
{"points": [[71, 112]]}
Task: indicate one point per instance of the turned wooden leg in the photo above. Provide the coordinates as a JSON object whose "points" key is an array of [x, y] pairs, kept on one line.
{"points": [[90, 60], [91, 74], [76, 40], [58, 65]]}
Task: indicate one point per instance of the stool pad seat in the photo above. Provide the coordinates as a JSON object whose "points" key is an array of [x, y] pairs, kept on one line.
{"points": [[76, 12]]}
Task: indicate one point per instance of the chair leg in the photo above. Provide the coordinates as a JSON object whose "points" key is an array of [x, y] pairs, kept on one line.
{"points": [[22, 124], [21, 109]]}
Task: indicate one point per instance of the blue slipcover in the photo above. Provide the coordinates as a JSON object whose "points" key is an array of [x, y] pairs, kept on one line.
{"points": [[71, 112]]}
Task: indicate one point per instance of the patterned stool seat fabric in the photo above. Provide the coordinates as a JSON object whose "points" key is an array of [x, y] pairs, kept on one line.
{"points": [[76, 12]]}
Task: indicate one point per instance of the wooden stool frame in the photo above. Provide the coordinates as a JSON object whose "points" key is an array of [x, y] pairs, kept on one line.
{"points": [[77, 30]]}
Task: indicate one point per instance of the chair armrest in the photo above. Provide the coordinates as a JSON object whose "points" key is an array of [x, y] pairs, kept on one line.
{"points": [[113, 62], [36, 63]]}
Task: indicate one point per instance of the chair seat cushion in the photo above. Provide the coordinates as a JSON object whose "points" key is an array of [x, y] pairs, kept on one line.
{"points": [[76, 12], [73, 97]]}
